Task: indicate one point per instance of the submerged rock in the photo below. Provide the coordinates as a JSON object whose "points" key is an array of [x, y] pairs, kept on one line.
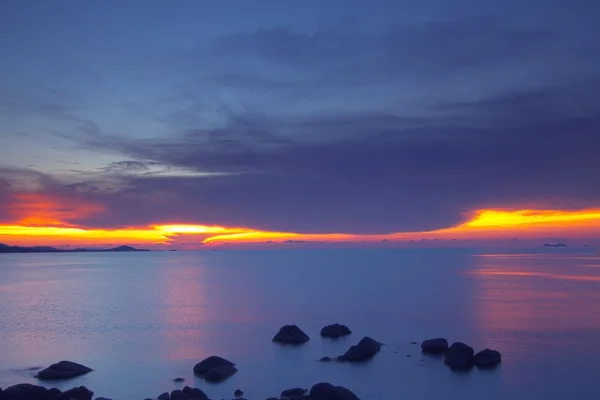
{"points": [[459, 356], [178, 379], [363, 351], [209, 363], [487, 358], [296, 392], [291, 334], [335, 331], [63, 370], [220, 373], [434, 346], [326, 391], [325, 359], [78, 393], [238, 393]]}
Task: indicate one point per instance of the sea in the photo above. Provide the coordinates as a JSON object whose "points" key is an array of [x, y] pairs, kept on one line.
{"points": [[142, 319]]}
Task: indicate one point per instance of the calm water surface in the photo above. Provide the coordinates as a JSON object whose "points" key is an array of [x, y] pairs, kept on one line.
{"points": [[142, 319]]}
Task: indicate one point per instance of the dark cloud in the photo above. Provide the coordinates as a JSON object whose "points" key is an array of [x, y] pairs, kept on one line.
{"points": [[388, 174]]}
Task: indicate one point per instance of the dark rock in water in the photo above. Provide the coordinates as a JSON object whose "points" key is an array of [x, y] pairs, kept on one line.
{"points": [[209, 363], [325, 359], [296, 392], [179, 395], [220, 373], [25, 391], [340, 359], [364, 350], [102, 398], [238, 393], [291, 334], [78, 393], [63, 370], [178, 379], [326, 391], [164, 396], [272, 398], [487, 358], [434, 346], [194, 393], [414, 343], [335, 331], [459, 356]]}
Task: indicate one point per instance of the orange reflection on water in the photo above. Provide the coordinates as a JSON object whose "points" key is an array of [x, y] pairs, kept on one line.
{"points": [[542, 294], [184, 312]]}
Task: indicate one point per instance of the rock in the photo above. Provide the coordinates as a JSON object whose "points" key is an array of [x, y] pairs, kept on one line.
{"points": [[364, 350], [238, 393], [325, 359], [272, 398], [78, 393], [179, 395], [459, 356], [487, 358], [296, 392], [414, 343], [194, 393], [63, 370], [434, 346], [102, 398], [326, 391], [178, 379], [164, 396], [335, 331], [25, 391], [220, 373], [209, 363], [291, 334]]}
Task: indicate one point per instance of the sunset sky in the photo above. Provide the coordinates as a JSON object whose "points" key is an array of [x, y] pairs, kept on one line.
{"points": [[188, 123]]}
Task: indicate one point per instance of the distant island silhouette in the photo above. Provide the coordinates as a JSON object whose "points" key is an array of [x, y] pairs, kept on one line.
{"points": [[4, 248], [555, 245]]}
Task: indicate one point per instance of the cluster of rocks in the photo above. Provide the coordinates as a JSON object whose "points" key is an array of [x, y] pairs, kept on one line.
{"points": [[460, 356], [362, 351]]}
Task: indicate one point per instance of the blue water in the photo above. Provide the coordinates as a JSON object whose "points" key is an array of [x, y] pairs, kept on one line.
{"points": [[142, 319]]}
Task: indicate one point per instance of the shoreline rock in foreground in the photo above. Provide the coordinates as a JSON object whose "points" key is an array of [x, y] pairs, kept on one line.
{"points": [[26, 391], [326, 391], [434, 346], [335, 331], [63, 370], [291, 334], [363, 351]]}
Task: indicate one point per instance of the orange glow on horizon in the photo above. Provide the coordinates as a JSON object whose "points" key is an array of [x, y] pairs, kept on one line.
{"points": [[486, 224]]}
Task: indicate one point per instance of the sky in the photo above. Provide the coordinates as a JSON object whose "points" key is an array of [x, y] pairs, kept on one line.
{"points": [[186, 122]]}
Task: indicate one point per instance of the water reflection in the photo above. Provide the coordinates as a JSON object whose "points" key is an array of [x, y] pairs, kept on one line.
{"points": [[527, 299]]}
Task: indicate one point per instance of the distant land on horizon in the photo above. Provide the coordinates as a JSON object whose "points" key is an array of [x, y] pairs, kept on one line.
{"points": [[4, 248]]}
